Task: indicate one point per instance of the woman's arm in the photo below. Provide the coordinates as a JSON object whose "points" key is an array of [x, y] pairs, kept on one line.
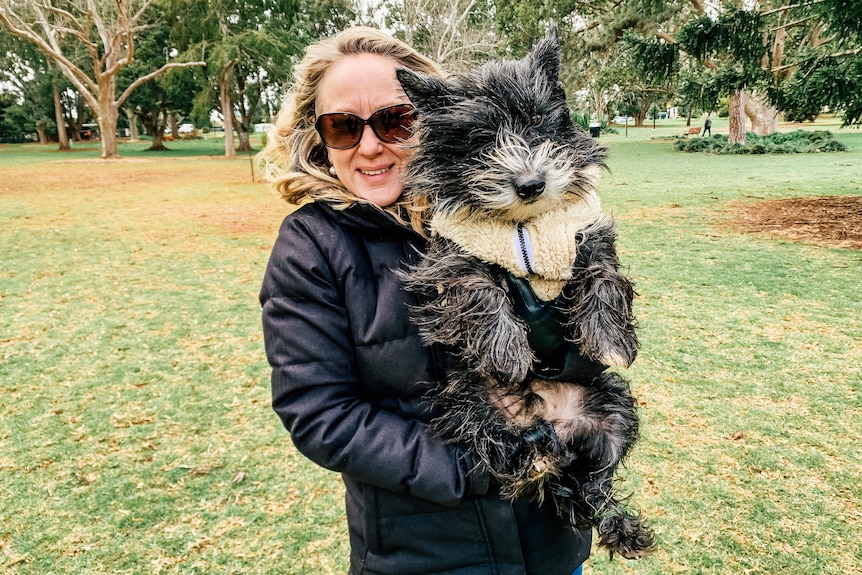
{"points": [[316, 390]]}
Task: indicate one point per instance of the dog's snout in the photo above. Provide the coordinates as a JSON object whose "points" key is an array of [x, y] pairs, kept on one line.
{"points": [[530, 189]]}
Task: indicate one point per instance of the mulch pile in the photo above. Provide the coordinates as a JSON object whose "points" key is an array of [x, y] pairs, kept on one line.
{"points": [[831, 221]]}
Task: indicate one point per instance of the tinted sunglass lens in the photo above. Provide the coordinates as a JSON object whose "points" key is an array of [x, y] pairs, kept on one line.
{"points": [[393, 124], [340, 130]]}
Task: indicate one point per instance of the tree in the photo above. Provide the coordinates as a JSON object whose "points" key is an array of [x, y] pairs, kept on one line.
{"points": [[593, 59], [828, 71], [633, 88], [523, 22], [59, 117], [90, 42], [733, 45], [249, 46], [27, 73], [770, 57], [794, 57], [156, 102], [457, 34]]}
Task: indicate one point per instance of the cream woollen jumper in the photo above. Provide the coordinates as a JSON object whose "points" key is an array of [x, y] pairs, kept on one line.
{"points": [[542, 249]]}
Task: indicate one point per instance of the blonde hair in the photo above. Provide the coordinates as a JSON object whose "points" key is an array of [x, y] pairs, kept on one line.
{"points": [[294, 158]]}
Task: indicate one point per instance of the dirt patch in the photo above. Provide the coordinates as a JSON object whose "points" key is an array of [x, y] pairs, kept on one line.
{"points": [[831, 221], [237, 221]]}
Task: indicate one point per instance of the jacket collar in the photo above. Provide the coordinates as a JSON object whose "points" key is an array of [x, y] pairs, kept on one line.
{"points": [[368, 218]]}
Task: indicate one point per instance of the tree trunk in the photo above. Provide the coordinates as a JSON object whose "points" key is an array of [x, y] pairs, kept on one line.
{"points": [[107, 113], [156, 129], [226, 110], [244, 138], [736, 108], [75, 121], [172, 122], [107, 120], [40, 129], [59, 118], [764, 118], [134, 136], [640, 115]]}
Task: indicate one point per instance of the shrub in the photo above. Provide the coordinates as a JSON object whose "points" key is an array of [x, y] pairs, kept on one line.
{"points": [[797, 142], [712, 145], [783, 149], [582, 119]]}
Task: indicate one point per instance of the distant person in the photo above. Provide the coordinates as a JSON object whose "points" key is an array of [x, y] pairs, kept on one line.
{"points": [[707, 127]]}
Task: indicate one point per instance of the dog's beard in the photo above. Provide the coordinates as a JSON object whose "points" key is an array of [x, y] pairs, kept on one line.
{"points": [[493, 183]]}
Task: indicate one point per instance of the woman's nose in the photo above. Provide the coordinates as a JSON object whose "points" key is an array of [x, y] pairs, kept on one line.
{"points": [[369, 144]]}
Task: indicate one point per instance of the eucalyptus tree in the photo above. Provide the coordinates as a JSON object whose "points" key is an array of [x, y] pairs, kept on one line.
{"points": [[457, 34], [250, 47], [158, 101], [90, 41], [33, 91]]}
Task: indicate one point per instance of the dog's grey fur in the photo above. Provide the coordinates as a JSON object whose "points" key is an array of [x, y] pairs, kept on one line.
{"points": [[499, 142]]}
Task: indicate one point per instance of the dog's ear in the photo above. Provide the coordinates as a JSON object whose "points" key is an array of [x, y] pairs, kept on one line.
{"points": [[546, 53], [425, 91]]}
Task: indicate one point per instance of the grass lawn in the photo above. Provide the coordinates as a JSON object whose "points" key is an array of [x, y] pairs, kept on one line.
{"points": [[135, 429]]}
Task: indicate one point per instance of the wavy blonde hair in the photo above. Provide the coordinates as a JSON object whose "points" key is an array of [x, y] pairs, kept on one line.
{"points": [[294, 158]]}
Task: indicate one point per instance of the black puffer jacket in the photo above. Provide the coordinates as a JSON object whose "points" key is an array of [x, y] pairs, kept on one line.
{"points": [[346, 382]]}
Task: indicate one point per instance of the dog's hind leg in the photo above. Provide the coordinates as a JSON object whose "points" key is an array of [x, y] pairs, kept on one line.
{"points": [[598, 419], [620, 530], [500, 430], [601, 429], [598, 300]]}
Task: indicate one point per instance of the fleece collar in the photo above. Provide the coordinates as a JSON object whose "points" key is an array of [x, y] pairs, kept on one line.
{"points": [[542, 249]]}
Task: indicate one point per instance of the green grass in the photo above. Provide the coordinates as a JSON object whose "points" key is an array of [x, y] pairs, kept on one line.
{"points": [[135, 429], [28, 154]]}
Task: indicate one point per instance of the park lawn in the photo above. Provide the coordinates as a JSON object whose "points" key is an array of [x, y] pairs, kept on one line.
{"points": [[135, 428]]}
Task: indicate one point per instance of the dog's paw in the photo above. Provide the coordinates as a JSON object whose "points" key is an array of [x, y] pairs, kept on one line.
{"points": [[624, 534], [608, 344], [618, 357], [507, 367]]}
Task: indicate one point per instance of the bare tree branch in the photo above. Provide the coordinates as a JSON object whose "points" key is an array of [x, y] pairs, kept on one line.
{"points": [[128, 91], [790, 7], [49, 47], [793, 24], [93, 12]]}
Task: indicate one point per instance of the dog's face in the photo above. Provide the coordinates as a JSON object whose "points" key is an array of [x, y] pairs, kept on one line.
{"points": [[500, 140]]}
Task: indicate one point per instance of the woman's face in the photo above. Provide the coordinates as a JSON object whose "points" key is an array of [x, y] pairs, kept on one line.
{"points": [[362, 84]]}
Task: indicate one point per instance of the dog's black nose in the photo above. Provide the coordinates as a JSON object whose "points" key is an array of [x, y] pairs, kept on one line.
{"points": [[530, 189]]}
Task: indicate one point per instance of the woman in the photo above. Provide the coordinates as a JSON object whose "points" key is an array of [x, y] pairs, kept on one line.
{"points": [[347, 366]]}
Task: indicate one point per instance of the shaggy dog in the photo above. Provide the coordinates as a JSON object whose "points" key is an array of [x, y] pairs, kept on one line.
{"points": [[522, 270]]}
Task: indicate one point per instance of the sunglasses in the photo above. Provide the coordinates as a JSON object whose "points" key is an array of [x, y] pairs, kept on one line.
{"points": [[343, 130]]}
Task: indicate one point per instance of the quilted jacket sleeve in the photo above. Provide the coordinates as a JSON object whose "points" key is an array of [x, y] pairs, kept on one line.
{"points": [[316, 388]]}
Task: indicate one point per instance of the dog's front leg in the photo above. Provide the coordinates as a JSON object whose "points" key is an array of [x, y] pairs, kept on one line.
{"points": [[495, 339], [599, 299], [470, 313]]}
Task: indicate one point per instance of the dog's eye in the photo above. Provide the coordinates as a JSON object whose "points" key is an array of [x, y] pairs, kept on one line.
{"points": [[536, 120]]}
